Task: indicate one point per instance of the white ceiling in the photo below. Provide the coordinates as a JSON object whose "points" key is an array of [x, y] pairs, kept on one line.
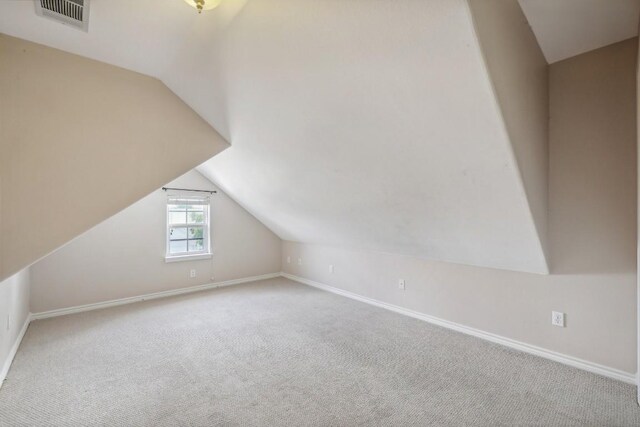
{"points": [[365, 124], [565, 28], [110, 37]]}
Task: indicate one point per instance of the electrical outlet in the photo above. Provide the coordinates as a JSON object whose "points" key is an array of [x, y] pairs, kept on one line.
{"points": [[401, 284], [192, 273], [557, 318], [299, 261], [331, 268], [288, 260]]}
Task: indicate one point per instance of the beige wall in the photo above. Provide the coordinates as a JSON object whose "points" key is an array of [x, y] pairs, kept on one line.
{"points": [[124, 256], [592, 229], [638, 213], [80, 141], [14, 308], [519, 77]]}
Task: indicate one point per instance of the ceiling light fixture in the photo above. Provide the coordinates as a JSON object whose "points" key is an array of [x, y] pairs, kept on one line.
{"points": [[203, 4]]}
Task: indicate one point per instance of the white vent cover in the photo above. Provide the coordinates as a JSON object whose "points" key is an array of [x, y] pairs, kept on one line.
{"points": [[69, 12]]}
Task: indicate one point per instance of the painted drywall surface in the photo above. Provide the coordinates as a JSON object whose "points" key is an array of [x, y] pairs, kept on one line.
{"points": [[141, 35], [349, 119], [81, 140], [125, 255], [638, 211], [348, 135], [592, 226], [592, 163], [519, 74], [570, 27], [14, 303]]}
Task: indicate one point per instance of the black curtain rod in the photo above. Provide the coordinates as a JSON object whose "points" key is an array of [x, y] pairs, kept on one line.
{"points": [[187, 189]]}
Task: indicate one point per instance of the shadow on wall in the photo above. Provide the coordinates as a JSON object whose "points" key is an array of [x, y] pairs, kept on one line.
{"points": [[592, 143]]}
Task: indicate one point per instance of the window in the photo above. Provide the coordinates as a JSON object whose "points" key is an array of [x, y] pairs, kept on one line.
{"points": [[187, 228]]}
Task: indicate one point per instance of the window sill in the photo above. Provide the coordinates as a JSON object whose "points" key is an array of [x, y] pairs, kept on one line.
{"points": [[186, 257]]}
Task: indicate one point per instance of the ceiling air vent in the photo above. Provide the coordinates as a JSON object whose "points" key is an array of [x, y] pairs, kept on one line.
{"points": [[70, 12]]}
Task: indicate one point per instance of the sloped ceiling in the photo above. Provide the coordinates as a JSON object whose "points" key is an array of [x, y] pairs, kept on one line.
{"points": [[566, 28], [79, 142], [363, 124]]}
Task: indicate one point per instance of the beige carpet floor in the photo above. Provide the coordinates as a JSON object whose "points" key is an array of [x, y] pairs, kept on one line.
{"points": [[277, 353]]}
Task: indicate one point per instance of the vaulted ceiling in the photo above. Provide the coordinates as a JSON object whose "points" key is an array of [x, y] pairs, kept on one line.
{"points": [[568, 28], [370, 125]]}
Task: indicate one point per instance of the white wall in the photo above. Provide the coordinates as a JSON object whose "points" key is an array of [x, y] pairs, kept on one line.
{"points": [[124, 256], [14, 304], [385, 135], [592, 233]]}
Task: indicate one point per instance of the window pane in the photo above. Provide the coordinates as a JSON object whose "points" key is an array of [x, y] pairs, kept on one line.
{"points": [[189, 238], [178, 247], [196, 232], [176, 233], [177, 217], [195, 217], [196, 245], [177, 207]]}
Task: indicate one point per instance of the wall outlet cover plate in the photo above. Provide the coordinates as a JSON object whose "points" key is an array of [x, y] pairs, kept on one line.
{"points": [[557, 318]]}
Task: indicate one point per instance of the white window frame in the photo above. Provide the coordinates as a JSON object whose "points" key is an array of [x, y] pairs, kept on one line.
{"points": [[206, 234]]}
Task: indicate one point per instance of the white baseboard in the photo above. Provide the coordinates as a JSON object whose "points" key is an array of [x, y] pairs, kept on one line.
{"points": [[155, 295], [518, 345], [14, 349], [113, 303]]}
